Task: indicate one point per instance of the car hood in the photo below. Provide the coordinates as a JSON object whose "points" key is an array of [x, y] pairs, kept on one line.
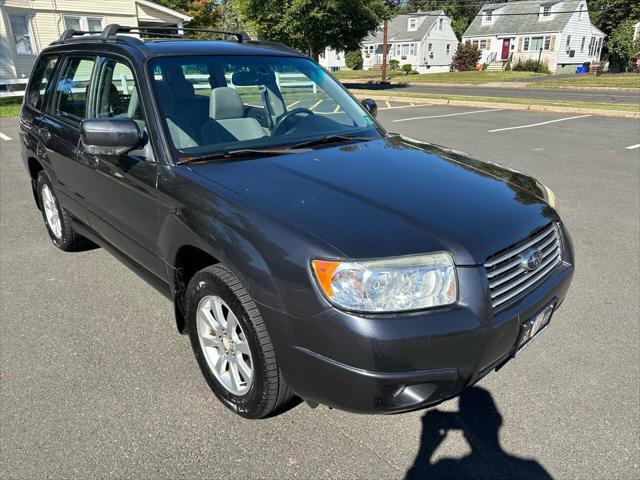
{"points": [[393, 196]]}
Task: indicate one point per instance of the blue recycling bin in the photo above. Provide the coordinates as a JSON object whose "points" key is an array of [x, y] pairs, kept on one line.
{"points": [[581, 70]]}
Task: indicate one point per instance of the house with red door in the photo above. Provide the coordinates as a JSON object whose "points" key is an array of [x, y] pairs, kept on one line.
{"points": [[558, 33]]}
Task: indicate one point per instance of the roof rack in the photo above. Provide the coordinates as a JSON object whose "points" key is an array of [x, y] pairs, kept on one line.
{"points": [[156, 32]]}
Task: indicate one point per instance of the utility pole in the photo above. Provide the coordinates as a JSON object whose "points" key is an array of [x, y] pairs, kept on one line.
{"points": [[385, 33]]}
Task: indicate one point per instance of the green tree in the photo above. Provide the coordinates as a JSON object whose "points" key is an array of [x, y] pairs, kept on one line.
{"points": [[621, 45], [204, 13], [353, 59], [312, 25]]}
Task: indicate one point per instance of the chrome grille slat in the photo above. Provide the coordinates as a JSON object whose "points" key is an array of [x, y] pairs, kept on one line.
{"points": [[521, 248], [520, 271], [508, 279]]}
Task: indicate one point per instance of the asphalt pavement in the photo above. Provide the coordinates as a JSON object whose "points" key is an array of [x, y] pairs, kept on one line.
{"points": [[96, 382], [578, 95]]}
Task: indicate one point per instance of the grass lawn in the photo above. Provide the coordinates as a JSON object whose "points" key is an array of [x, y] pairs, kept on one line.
{"points": [[10, 107], [619, 80], [471, 78], [519, 101]]}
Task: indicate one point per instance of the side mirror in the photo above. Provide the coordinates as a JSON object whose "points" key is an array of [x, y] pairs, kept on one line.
{"points": [[370, 106], [109, 136]]}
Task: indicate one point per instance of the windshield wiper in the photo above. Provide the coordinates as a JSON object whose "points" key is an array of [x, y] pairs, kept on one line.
{"points": [[243, 152], [332, 139]]}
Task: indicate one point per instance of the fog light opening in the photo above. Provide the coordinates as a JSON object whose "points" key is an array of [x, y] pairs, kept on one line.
{"points": [[399, 391]]}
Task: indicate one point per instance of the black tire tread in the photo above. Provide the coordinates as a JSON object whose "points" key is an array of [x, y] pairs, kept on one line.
{"points": [[278, 393]]}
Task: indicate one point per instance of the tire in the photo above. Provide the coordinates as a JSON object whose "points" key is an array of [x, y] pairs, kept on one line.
{"points": [[56, 219], [259, 390]]}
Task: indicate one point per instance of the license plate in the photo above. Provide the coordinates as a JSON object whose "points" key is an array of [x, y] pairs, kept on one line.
{"points": [[534, 326]]}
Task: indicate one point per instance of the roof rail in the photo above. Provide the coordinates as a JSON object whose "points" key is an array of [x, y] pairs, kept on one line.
{"points": [[69, 33], [169, 32]]}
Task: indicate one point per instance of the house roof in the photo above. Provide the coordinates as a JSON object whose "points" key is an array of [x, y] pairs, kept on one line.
{"points": [[163, 9], [526, 20], [399, 27]]}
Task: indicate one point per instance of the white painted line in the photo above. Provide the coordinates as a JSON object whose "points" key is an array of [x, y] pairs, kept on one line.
{"points": [[315, 104], [388, 103], [538, 124], [630, 147], [294, 103], [337, 109], [449, 115], [4, 137]]}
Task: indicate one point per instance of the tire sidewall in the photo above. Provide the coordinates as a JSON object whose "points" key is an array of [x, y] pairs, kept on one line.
{"points": [[251, 404], [65, 236]]}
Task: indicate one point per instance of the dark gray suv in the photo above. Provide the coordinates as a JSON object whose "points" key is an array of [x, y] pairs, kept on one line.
{"points": [[307, 252]]}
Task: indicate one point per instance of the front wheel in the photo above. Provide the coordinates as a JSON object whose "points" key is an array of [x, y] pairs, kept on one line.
{"points": [[232, 345]]}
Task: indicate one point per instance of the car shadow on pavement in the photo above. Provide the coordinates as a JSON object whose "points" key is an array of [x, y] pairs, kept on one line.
{"points": [[480, 422]]}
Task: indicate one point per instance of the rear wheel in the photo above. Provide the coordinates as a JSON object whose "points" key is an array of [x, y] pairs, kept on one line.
{"points": [[56, 219], [232, 346]]}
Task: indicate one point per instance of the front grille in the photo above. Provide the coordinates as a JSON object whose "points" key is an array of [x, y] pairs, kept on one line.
{"points": [[508, 278]]}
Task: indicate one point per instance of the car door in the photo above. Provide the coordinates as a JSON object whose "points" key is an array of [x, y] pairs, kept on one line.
{"points": [[59, 130], [124, 209]]}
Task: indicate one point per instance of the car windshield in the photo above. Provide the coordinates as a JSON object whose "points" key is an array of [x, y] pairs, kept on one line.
{"points": [[215, 104]]}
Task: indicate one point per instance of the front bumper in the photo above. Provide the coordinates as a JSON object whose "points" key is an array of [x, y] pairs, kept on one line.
{"points": [[401, 362]]}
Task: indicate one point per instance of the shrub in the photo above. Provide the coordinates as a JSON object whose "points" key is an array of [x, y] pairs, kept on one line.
{"points": [[531, 66], [353, 60], [622, 50], [507, 67], [407, 68], [466, 57], [484, 67], [394, 64]]}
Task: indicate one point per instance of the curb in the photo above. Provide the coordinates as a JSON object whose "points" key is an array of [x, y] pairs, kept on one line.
{"points": [[505, 106]]}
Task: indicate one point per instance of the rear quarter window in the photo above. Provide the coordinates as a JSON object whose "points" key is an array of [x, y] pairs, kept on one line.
{"points": [[40, 79]]}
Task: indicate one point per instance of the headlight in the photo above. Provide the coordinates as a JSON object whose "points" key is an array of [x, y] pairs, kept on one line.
{"points": [[389, 285]]}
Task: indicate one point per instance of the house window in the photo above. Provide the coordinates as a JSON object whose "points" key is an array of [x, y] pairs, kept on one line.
{"points": [[83, 23], [475, 42], [591, 41], [413, 24], [580, 11], [526, 43], [440, 24], [412, 49], [483, 44], [448, 48], [568, 45], [488, 16], [430, 47], [584, 39], [21, 31], [547, 43], [536, 44], [546, 10]]}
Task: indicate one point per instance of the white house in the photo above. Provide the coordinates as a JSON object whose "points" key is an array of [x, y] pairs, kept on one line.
{"points": [[332, 60], [424, 39], [559, 33]]}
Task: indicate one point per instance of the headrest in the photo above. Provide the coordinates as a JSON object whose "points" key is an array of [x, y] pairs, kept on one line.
{"points": [[225, 103], [165, 96], [183, 89]]}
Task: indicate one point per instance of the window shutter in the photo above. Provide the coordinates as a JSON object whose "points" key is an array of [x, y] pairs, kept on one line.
{"points": [[552, 47], [520, 44], [488, 44]]}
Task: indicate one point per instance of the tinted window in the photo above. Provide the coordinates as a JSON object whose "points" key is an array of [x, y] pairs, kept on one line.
{"points": [[116, 93], [40, 77], [70, 99]]}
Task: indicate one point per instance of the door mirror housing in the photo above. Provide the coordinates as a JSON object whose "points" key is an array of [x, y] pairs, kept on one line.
{"points": [[370, 106], [110, 136]]}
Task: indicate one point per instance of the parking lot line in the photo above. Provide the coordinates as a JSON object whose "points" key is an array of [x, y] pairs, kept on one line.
{"points": [[538, 124], [316, 104], [448, 115], [294, 103], [633, 147], [4, 137]]}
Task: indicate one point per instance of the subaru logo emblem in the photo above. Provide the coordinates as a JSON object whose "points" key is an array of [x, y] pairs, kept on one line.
{"points": [[531, 259]]}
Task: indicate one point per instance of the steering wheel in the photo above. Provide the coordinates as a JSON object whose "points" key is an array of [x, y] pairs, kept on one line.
{"points": [[280, 124]]}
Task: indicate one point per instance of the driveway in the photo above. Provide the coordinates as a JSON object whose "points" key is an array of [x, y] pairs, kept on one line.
{"points": [[96, 382]]}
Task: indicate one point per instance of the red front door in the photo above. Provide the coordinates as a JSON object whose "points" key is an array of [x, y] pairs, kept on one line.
{"points": [[505, 48]]}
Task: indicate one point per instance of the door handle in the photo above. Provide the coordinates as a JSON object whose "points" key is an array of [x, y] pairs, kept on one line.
{"points": [[45, 134]]}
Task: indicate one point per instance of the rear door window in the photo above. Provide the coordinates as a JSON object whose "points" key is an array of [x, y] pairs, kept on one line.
{"points": [[72, 88], [42, 74]]}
